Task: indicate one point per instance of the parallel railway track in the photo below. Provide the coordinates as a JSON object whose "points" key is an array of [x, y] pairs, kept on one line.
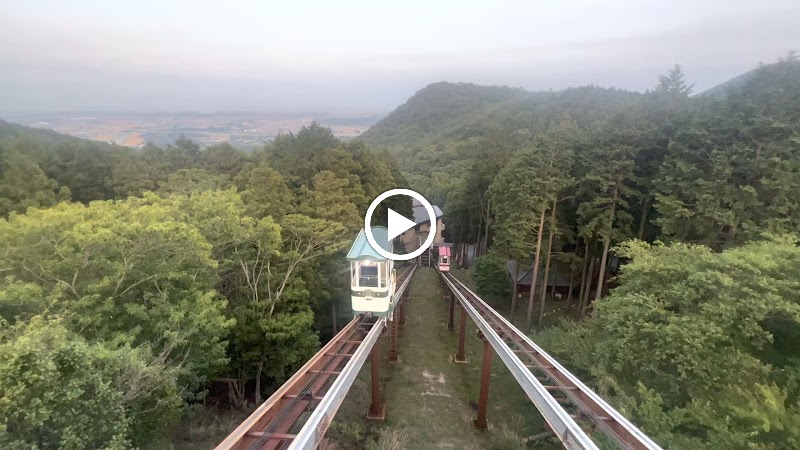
{"points": [[563, 400], [298, 414]]}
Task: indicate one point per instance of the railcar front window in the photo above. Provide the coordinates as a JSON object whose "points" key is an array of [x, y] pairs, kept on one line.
{"points": [[369, 276]]}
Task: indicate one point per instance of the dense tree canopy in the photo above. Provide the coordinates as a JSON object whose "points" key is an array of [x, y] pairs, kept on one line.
{"points": [[140, 277], [701, 347], [60, 391], [174, 268], [24, 185], [126, 273], [695, 340]]}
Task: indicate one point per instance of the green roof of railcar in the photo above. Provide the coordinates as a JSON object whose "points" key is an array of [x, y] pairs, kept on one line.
{"points": [[361, 250]]}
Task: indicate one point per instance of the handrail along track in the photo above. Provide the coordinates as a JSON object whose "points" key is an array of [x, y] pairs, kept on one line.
{"points": [[512, 346], [307, 402]]}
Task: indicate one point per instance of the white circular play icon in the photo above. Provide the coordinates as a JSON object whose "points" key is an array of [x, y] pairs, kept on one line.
{"points": [[398, 224]]}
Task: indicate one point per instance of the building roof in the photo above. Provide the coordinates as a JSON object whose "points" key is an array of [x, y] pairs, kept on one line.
{"points": [[556, 275], [361, 250], [421, 216]]}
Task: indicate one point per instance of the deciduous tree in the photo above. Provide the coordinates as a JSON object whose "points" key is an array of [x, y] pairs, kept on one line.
{"points": [[23, 185], [127, 273]]}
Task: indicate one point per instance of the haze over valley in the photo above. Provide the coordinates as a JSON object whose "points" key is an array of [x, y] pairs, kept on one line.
{"points": [[245, 130]]}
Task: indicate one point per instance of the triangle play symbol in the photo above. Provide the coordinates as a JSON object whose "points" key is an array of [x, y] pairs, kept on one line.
{"points": [[398, 224]]}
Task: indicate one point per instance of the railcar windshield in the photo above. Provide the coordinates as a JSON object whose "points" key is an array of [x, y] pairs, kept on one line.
{"points": [[368, 277]]}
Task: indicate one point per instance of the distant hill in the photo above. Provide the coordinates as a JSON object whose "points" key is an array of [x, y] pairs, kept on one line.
{"points": [[12, 134], [82, 165], [450, 112], [433, 108], [735, 82], [433, 134]]}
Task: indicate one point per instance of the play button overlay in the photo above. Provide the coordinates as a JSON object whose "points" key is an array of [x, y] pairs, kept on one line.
{"points": [[398, 224]]}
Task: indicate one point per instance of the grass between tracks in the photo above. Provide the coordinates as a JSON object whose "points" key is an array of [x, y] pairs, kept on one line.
{"points": [[554, 309], [430, 400]]}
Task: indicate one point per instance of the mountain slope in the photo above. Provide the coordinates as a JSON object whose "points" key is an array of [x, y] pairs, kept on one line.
{"points": [[772, 73], [448, 112], [433, 109], [83, 165], [440, 129], [735, 82], [12, 134]]}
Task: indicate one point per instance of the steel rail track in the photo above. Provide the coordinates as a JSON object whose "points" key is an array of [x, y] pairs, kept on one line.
{"points": [[541, 376], [279, 412], [313, 430], [314, 393]]}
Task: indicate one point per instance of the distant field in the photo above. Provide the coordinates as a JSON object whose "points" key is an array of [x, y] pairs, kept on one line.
{"points": [[245, 130]]}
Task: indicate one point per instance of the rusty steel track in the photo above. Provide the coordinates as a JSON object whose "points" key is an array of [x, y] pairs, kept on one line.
{"points": [[570, 401], [281, 422], [270, 426]]}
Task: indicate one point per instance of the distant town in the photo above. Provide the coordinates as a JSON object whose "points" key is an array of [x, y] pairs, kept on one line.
{"points": [[245, 130]]}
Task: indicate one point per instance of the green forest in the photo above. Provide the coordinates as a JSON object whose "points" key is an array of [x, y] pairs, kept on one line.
{"points": [[139, 285], [693, 331], [135, 283]]}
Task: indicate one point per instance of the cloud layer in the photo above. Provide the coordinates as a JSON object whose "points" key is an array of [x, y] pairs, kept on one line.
{"points": [[359, 56]]}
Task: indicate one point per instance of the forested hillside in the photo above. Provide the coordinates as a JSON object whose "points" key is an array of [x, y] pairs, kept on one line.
{"points": [[696, 335], [137, 285], [432, 112], [132, 282], [444, 126], [734, 83]]}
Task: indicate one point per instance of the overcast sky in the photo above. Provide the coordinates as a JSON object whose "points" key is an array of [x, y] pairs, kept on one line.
{"points": [[363, 56]]}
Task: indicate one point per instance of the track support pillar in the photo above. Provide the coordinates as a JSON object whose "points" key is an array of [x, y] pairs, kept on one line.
{"points": [[486, 374], [377, 409], [402, 310], [462, 334], [450, 323], [393, 337]]}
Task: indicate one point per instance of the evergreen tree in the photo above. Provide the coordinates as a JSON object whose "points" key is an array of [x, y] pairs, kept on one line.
{"points": [[23, 185], [532, 181], [607, 164]]}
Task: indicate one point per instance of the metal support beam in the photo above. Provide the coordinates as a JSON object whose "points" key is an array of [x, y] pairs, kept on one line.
{"points": [[377, 409], [572, 435], [462, 334], [317, 424], [486, 375], [393, 338], [450, 323], [402, 311]]}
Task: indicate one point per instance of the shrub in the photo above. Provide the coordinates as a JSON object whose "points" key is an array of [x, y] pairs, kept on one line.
{"points": [[59, 391], [490, 276]]}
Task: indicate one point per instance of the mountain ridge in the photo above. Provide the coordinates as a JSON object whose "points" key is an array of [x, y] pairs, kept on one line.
{"points": [[458, 111], [735, 82], [435, 105], [11, 132]]}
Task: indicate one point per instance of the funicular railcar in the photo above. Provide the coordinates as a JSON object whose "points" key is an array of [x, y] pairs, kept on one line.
{"points": [[444, 259], [372, 276]]}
